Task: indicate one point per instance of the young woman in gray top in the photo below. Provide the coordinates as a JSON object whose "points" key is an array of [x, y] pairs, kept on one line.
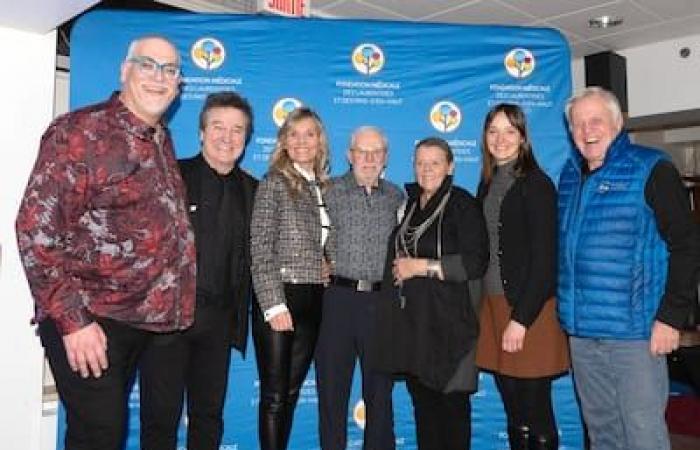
{"points": [[520, 339]]}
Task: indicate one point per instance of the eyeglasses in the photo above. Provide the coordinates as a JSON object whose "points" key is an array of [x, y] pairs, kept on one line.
{"points": [[367, 154], [150, 67]]}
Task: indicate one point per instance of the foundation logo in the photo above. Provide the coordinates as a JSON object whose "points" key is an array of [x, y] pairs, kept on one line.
{"points": [[208, 53], [282, 109], [519, 63], [358, 414], [445, 116], [368, 59]]}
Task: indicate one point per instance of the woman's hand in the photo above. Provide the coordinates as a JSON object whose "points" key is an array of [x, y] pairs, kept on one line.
{"points": [[513, 337], [405, 268], [326, 271], [282, 322]]}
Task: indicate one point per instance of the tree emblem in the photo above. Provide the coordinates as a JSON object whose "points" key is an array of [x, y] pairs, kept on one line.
{"points": [[208, 53], [368, 59], [519, 63], [445, 116]]}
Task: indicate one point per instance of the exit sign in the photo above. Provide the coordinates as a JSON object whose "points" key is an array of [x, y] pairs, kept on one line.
{"points": [[289, 8]]}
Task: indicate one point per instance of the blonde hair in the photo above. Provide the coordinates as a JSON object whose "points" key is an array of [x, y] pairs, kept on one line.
{"points": [[282, 164]]}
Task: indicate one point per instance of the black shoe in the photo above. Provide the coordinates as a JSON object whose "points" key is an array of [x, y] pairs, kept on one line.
{"points": [[518, 437], [543, 442]]}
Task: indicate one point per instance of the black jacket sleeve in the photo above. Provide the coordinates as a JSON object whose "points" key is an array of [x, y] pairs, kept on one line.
{"points": [[540, 206], [473, 257], [665, 194]]}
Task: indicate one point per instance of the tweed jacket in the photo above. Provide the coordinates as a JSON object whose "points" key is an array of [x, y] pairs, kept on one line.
{"points": [[285, 240]]}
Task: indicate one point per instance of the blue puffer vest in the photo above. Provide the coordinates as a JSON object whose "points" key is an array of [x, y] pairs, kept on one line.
{"points": [[612, 260]]}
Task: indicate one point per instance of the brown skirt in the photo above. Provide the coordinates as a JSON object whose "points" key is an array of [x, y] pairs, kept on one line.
{"points": [[545, 350]]}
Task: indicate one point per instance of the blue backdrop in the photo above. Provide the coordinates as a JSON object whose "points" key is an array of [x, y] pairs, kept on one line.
{"points": [[411, 79]]}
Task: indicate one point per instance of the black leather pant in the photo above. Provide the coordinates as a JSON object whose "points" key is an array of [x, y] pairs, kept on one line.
{"points": [[283, 360]]}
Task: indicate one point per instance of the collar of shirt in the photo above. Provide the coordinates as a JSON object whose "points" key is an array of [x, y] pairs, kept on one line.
{"points": [[219, 176], [134, 124], [350, 180], [308, 176]]}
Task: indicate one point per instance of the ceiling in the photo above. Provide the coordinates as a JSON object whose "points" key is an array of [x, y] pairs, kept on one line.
{"points": [[645, 21]]}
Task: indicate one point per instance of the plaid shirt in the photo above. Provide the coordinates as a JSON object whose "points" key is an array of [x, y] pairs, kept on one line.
{"points": [[103, 227]]}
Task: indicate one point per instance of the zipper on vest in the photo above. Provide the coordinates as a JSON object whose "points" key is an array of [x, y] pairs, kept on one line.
{"points": [[575, 223]]}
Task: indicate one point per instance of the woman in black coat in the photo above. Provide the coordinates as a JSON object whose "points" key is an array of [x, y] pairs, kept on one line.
{"points": [[428, 323], [521, 341]]}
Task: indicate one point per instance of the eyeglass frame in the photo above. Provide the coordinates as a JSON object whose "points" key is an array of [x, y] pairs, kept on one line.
{"points": [[365, 153], [157, 67]]}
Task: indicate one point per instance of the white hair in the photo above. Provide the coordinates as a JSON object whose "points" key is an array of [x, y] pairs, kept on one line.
{"points": [[611, 102], [131, 50], [369, 128]]}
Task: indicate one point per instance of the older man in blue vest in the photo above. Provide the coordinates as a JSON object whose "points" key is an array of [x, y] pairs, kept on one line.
{"points": [[628, 260]]}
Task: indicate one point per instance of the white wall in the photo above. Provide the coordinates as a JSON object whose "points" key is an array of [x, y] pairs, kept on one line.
{"points": [[26, 90], [658, 79]]}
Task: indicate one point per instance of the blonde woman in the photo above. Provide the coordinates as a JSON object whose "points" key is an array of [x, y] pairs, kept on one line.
{"points": [[288, 233]]}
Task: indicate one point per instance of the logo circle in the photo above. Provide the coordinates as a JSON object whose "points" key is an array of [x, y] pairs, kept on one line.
{"points": [[445, 116], [282, 108], [368, 59], [208, 53], [519, 63], [358, 414]]}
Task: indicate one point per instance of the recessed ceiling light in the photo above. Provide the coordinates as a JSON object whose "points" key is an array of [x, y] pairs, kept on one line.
{"points": [[605, 22]]}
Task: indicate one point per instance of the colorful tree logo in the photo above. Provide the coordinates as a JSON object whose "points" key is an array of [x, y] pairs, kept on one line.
{"points": [[358, 414], [445, 116], [282, 109], [519, 62], [208, 53], [368, 59]]}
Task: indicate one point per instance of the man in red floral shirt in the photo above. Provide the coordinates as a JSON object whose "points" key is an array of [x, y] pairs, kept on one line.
{"points": [[106, 242]]}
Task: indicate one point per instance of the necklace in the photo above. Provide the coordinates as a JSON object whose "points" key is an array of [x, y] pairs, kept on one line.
{"points": [[406, 242]]}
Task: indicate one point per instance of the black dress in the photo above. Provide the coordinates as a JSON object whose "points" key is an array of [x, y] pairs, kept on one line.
{"points": [[428, 328]]}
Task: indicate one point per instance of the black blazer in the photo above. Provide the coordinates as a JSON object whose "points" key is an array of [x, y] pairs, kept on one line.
{"points": [[528, 243], [191, 170]]}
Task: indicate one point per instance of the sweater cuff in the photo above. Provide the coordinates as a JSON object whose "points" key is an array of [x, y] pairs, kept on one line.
{"points": [[674, 315], [452, 268], [269, 313], [72, 320]]}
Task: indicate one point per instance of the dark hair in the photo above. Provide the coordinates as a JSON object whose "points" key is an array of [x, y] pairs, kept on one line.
{"points": [[525, 161], [227, 99], [439, 143]]}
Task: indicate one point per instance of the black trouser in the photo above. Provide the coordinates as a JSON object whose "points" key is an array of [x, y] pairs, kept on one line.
{"points": [[348, 316], [443, 421], [283, 361], [528, 406], [96, 408], [196, 360]]}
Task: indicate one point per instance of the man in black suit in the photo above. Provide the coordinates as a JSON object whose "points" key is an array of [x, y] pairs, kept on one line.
{"points": [[220, 197]]}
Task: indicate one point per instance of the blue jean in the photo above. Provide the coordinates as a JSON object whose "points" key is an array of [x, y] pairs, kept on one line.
{"points": [[623, 390]]}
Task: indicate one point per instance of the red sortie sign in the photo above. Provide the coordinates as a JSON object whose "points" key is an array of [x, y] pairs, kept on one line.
{"points": [[288, 7]]}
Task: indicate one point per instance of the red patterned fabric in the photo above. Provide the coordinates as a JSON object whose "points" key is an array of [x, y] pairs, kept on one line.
{"points": [[103, 227]]}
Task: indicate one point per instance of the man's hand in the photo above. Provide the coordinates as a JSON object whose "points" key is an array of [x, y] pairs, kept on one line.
{"points": [[513, 337], [282, 322], [86, 350], [664, 339]]}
